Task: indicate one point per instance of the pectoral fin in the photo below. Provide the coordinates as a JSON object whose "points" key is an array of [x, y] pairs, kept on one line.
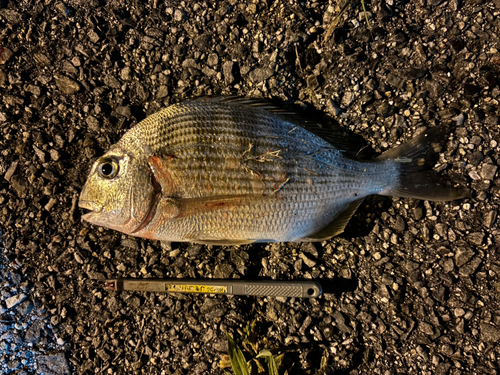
{"points": [[191, 206], [163, 209], [337, 226], [168, 209]]}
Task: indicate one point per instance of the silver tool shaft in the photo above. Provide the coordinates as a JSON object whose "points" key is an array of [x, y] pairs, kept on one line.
{"points": [[267, 288]]}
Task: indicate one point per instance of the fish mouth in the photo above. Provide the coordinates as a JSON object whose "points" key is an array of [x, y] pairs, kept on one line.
{"points": [[90, 210]]}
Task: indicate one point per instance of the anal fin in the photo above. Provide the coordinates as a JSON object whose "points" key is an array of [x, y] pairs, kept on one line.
{"points": [[335, 227]]}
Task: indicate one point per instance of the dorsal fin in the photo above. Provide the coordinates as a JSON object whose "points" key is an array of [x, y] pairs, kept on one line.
{"points": [[340, 138], [337, 226]]}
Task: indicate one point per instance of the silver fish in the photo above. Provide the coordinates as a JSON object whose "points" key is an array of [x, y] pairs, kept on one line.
{"points": [[230, 170]]}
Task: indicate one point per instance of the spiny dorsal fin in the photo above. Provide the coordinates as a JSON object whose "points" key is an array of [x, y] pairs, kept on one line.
{"points": [[340, 138]]}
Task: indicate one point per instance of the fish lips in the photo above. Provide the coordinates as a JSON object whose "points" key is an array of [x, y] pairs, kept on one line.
{"points": [[94, 209]]}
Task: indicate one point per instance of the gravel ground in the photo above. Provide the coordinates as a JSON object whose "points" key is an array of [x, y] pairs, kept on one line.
{"points": [[412, 286]]}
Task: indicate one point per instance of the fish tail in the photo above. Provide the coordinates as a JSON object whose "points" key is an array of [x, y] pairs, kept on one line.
{"points": [[415, 160]]}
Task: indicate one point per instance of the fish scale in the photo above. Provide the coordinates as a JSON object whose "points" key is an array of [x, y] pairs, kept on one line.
{"points": [[226, 170], [295, 198], [189, 131]]}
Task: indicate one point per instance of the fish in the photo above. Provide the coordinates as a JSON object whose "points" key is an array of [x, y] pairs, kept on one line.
{"points": [[233, 170]]}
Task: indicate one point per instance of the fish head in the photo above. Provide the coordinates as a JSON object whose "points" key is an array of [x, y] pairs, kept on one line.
{"points": [[120, 192]]}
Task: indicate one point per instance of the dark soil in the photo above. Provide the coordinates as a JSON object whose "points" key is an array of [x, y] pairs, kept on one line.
{"points": [[413, 287]]}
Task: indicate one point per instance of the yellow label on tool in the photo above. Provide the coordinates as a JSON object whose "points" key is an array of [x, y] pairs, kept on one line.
{"points": [[183, 288]]}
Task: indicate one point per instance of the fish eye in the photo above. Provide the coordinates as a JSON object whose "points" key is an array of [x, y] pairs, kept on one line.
{"points": [[108, 168]]}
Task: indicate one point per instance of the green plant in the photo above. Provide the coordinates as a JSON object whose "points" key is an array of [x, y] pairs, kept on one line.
{"points": [[237, 361], [259, 358]]}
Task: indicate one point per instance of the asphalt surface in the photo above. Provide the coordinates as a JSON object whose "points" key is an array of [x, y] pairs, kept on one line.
{"points": [[411, 287]]}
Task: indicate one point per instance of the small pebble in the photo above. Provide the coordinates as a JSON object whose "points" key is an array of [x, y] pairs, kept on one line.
{"points": [[78, 258], [213, 60], [121, 267], [11, 170], [488, 171], [15, 300], [258, 75], [474, 175], [309, 262], [476, 238], [5, 55], [347, 99], [54, 154], [463, 255], [459, 312], [66, 85], [174, 253], [162, 92], [489, 218], [125, 73], [229, 72], [333, 108], [124, 111], [180, 15], [52, 202], [489, 333]]}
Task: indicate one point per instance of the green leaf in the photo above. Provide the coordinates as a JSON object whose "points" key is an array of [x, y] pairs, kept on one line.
{"points": [[279, 359], [271, 363], [264, 354], [238, 361], [250, 338], [249, 331], [324, 363], [366, 15]]}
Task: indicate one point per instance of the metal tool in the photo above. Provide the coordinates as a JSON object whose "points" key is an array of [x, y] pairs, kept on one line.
{"points": [[267, 288]]}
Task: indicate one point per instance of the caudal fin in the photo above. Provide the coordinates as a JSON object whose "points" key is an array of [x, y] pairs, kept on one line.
{"points": [[416, 159]]}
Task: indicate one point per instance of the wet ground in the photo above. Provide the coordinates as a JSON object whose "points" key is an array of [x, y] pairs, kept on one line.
{"points": [[412, 286]]}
